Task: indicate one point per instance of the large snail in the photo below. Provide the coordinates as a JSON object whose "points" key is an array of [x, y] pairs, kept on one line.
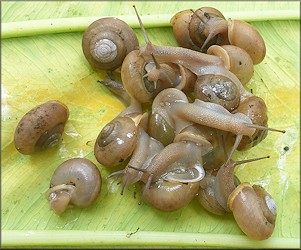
{"points": [[41, 127], [75, 182], [107, 41]]}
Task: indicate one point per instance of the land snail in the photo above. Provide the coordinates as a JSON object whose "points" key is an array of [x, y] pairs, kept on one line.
{"points": [[41, 128], [117, 139], [255, 108], [217, 186], [145, 150], [254, 210], [236, 32], [189, 29], [107, 41], [77, 182]]}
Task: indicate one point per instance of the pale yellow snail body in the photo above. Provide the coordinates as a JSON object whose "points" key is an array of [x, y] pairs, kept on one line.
{"points": [[75, 182], [41, 127], [107, 41]]}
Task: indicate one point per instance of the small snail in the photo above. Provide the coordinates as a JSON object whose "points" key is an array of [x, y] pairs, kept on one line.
{"points": [[145, 150], [255, 108], [75, 182], [254, 210], [234, 32], [191, 32], [236, 59], [169, 196], [107, 41], [116, 141], [225, 181], [206, 195], [41, 127]]}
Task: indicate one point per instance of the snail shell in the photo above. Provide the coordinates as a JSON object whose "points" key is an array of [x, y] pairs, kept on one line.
{"points": [[76, 181], [236, 59], [255, 108], [206, 196], [116, 141], [217, 89], [169, 196], [160, 130], [107, 41], [245, 36], [191, 32], [254, 210], [41, 127]]}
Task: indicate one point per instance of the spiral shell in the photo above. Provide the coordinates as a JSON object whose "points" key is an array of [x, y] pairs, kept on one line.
{"points": [[116, 141], [107, 41], [41, 127]]}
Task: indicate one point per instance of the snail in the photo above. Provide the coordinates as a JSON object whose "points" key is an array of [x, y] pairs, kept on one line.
{"points": [[75, 182], [169, 196], [145, 150], [234, 32], [117, 139], [174, 163], [255, 108], [206, 195], [254, 210], [41, 127], [144, 79], [107, 41], [225, 181], [236, 59], [190, 32]]}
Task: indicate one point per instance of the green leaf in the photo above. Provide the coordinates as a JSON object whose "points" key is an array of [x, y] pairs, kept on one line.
{"points": [[43, 66]]}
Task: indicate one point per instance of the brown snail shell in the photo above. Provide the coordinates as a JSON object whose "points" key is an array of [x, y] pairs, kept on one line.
{"points": [[191, 32], [255, 108], [206, 195], [245, 36], [107, 41], [160, 130], [75, 182], [236, 59], [254, 210], [116, 141], [132, 72], [169, 196], [41, 127], [217, 89]]}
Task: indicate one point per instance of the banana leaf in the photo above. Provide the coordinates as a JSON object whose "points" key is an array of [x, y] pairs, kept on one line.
{"points": [[42, 59]]}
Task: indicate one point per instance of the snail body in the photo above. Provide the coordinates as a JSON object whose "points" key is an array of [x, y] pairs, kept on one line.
{"points": [[75, 182], [41, 127], [107, 41]]}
